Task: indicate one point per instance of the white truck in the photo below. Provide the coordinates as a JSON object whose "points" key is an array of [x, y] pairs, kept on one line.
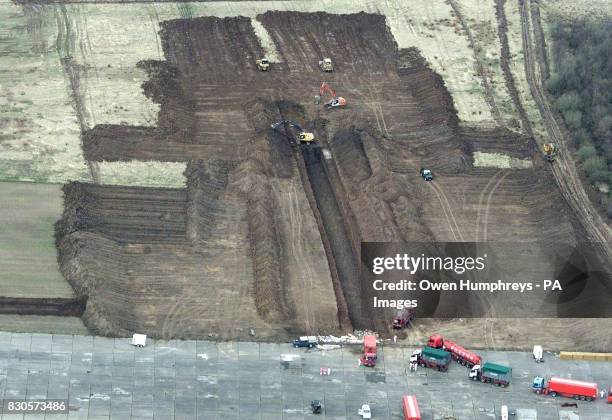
{"points": [[365, 411], [538, 354]]}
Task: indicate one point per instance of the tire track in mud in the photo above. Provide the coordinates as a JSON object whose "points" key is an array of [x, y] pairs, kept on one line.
{"points": [[480, 200], [448, 211], [502, 33], [480, 69], [295, 219], [540, 41], [563, 169], [488, 205]]}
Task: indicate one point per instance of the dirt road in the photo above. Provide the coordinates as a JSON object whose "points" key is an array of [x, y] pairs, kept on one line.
{"points": [[564, 168]]}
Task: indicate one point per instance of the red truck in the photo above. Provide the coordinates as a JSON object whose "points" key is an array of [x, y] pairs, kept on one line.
{"points": [[369, 351], [403, 318], [579, 390], [411, 408], [458, 353]]}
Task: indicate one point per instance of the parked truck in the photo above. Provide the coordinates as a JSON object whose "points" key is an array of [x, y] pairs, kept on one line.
{"points": [[492, 373], [432, 358], [410, 408], [579, 390], [403, 318], [458, 353], [369, 355]]}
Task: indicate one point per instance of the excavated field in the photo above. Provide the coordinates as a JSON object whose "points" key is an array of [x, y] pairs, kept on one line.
{"points": [[266, 235]]}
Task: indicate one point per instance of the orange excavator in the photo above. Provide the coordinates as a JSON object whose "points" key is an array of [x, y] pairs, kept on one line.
{"points": [[336, 101]]}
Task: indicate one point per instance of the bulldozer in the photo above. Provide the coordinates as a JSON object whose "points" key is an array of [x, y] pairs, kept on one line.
{"points": [[263, 64], [326, 65], [303, 136], [336, 101], [550, 151]]}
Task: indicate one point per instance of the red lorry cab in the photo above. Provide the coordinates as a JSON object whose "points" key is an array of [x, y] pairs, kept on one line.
{"points": [[460, 354], [369, 351], [571, 388], [436, 341], [411, 408]]}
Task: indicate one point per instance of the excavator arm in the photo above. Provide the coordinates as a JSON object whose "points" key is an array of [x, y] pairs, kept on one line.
{"points": [[325, 88]]}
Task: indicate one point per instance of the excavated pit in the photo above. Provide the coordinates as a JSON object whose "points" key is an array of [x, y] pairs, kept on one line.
{"points": [[266, 234]]}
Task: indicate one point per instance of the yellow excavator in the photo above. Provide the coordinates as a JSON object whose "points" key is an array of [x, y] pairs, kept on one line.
{"points": [[326, 65], [263, 64], [302, 135], [550, 151]]}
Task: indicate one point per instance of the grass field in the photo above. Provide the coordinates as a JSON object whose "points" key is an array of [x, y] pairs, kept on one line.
{"points": [[27, 250], [43, 324]]}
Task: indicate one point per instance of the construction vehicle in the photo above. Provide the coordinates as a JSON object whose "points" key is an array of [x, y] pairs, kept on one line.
{"points": [[316, 406], [426, 174], [306, 341], [538, 354], [335, 101], [369, 356], [432, 358], [578, 390], [410, 408], [550, 151], [263, 64], [365, 411], [492, 373], [458, 353], [326, 65], [302, 135], [403, 318]]}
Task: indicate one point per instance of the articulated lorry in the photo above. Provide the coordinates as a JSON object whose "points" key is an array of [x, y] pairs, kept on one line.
{"points": [[579, 390], [432, 358], [492, 373], [458, 353]]}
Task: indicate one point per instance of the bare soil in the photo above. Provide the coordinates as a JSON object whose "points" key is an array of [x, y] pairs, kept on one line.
{"points": [[263, 234]]}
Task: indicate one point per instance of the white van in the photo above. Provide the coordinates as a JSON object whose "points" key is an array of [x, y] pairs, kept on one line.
{"points": [[538, 354]]}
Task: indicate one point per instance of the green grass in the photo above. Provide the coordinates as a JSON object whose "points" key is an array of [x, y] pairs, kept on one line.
{"points": [[28, 258]]}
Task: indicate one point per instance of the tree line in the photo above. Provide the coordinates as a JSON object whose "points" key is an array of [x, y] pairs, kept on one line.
{"points": [[581, 84]]}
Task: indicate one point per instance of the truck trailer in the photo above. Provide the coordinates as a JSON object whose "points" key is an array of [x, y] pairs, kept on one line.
{"points": [[492, 373], [432, 358], [458, 353], [579, 390], [369, 356], [411, 408]]}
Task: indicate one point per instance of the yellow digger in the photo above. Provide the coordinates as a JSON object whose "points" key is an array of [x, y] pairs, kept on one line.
{"points": [[263, 64], [302, 135], [550, 151], [326, 65]]}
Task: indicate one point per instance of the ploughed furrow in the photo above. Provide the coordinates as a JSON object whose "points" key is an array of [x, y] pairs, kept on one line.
{"points": [[128, 214], [427, 87], [265, 248], [502, 33], [206, 182], [358, 43], [214, 48]]}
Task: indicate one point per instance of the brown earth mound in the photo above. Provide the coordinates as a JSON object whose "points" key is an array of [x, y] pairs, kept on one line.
{"points": [[266, 234]]}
